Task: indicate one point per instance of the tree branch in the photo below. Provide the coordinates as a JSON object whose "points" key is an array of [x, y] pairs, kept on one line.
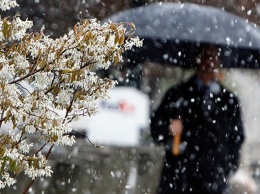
{"points": [[32, 181]]}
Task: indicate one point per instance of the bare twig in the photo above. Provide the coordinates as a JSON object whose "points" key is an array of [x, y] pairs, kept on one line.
{"points": [[95, 145]]}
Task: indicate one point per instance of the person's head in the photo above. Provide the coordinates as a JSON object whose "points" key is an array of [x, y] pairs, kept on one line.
{"points": [[209, 64]]}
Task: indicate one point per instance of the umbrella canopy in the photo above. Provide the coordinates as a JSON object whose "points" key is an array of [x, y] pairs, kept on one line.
{"points": [[173, 33]]}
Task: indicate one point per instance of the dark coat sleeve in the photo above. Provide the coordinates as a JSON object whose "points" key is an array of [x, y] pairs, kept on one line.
{"points": [[236, 137], [167, 110]]}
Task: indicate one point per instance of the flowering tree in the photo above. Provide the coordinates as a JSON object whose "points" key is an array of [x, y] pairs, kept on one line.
{"points": [[61, 86]]}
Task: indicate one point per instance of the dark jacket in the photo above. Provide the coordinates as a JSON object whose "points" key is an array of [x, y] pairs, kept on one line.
{"points": [[210, 143]]}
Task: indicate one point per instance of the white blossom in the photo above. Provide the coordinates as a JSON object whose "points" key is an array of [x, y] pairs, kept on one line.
{"points": [[24, 147], [30, 129], [66, 140], [47, 83], [134, 41], [8, 180], [43, 170], [7, 4], [41, 81], [19, 28], [2, 184], [64, 97], [13, 154]]}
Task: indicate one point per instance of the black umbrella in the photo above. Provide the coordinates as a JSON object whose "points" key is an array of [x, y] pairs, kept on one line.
{"points": [[173, 33]]}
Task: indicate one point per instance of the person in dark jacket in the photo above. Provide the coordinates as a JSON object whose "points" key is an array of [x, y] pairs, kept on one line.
{"points": [[206, 118]]}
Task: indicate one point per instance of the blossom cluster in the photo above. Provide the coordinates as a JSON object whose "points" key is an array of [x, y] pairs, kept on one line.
{"points": [[46, 84], [7, 4]]}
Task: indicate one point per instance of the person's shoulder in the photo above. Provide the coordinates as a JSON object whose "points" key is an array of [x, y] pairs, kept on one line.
{"points": [[177, 87], [184, 83], [182, 86], [228, 93], [178, 90]]}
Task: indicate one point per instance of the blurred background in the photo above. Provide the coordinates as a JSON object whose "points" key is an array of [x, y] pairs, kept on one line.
{"points": [[130, 162]]}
